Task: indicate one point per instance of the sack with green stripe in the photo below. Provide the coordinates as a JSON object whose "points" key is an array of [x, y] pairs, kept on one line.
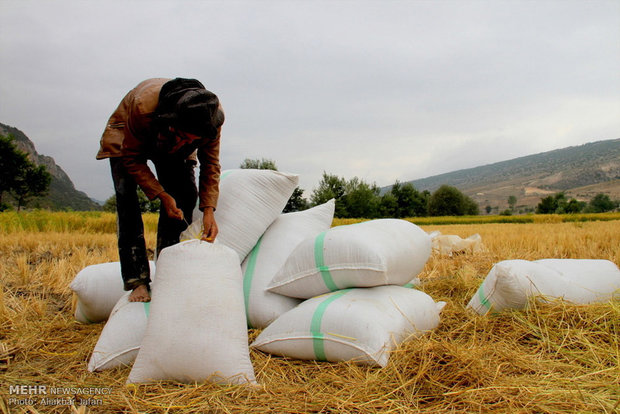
{"points": [[270, 253], [371, 253], [121, 336], [249, 201], [359, 324], [511, 284], [98, 287], [196, 329]]}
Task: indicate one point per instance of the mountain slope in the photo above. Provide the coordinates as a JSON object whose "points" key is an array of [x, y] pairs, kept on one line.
{"points": [[581, 172], [62, 192]]}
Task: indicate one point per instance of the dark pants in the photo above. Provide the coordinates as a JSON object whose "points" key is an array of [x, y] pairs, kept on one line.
{"points": [[177, 178]]}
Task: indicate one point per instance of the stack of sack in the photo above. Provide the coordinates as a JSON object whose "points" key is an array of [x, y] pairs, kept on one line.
{"points": [[320, 293], [355, 305]]}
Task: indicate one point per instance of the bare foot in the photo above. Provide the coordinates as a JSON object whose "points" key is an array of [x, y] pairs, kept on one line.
{"points": [[140, 294]]}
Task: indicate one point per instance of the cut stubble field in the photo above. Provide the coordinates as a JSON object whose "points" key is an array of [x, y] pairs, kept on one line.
{"points": [[553, 357]]}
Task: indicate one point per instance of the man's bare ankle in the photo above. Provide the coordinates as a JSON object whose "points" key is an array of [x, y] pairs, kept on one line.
{"points": [[140, 294]]}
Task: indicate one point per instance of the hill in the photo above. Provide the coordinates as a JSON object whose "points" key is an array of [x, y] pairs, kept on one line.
{"points": [[62, 194], [580, 171]]}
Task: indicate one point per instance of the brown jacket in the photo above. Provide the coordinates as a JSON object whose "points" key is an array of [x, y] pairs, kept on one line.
{"points": [[131, 134]]}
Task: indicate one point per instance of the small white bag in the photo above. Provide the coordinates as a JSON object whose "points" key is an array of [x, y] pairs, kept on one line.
{"points": [[359, 324], [371, 253], [511, 283], [270, 253], [98, 287], [121, 336]]}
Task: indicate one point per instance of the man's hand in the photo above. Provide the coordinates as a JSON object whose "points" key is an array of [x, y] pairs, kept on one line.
{"points": [[170, 206], [209, 225]]}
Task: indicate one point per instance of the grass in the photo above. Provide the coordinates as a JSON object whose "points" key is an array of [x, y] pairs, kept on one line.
{"points": [[550, 358], [101, 222], [62, 222]]}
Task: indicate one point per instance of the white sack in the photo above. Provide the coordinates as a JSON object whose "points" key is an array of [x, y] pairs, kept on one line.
{"points": [[371, 253], [270, 253], [196, 329], [249, 201], [98, 287], [360, 324], [121, 336], [449, 244], [511, 283]]}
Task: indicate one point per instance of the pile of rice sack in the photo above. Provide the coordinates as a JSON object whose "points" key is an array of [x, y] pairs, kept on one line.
{"points": [[319, 293]]}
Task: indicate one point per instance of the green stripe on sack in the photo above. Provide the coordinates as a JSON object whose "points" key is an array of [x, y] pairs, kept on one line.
{"points": [[247, 279], [226, 174], [147, 309], [315, 324], [320, 262], [483, 299]]}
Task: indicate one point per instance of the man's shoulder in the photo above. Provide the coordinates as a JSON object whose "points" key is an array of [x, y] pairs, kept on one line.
{"points": [[146, 94]]}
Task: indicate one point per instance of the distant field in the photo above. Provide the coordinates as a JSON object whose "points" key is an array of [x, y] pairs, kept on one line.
{"points": [[100, 222], [551, 358]]}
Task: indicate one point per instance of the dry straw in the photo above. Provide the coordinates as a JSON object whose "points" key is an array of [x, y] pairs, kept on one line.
{"points": [[550, 358]]}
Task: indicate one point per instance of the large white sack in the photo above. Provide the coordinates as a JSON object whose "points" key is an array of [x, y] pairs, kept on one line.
{"points": [[270, 253], [121, 336], [98, 287], [358, 324], [511, 283], [196, 329], [249, 201], [371, 253]]}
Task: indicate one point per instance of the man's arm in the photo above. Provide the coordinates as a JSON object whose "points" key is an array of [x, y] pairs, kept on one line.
{"points": [[209, 181]]}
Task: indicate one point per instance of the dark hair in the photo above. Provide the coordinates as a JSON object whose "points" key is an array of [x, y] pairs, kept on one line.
{"points": [[186, 105]]}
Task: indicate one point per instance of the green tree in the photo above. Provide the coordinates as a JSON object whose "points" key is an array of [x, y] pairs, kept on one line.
{"points": [[12, 161], [574, 206], [361, 199], [256, 164], [19, 176], [449, 201], [146, 205], [601, 203], [553, 204], [297, 202], [330, 186], [547, 205], [110, 205], [388, 205], [470, 207], [411, 203], [33, 181], [512, 201]]}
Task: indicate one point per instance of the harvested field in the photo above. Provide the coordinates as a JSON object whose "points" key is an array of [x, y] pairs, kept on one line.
{"points": [[551, 358]]}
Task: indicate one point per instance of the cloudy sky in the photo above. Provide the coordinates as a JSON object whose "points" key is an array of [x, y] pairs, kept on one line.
{"points": [[381, 90]]}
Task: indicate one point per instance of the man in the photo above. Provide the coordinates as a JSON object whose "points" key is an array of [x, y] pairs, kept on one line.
{"points": [[170, 122]]}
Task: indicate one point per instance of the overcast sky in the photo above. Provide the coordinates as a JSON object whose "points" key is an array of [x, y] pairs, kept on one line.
{"points": [[381, 90]]}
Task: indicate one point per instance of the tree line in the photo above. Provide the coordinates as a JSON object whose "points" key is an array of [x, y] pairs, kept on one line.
{"points": [[558, 203], [356, 198]]}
